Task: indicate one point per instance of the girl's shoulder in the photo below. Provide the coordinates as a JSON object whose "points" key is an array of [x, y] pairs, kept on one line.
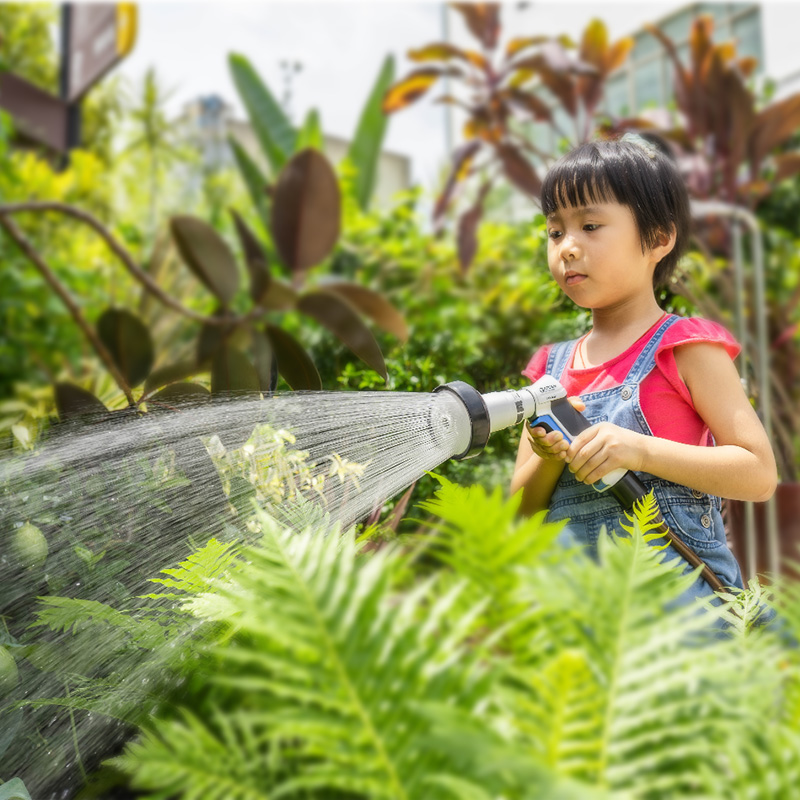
{"points": [[695, 330]]}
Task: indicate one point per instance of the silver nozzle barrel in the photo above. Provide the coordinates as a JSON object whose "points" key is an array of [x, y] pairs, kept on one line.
{"points": [[490, 412]]}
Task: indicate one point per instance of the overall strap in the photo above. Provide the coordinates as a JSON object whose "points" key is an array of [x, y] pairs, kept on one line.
{"points": [[647, 358], [558, 358]]}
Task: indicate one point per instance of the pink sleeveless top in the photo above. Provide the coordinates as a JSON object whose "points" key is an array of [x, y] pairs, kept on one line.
{"points": [[663, 396]]}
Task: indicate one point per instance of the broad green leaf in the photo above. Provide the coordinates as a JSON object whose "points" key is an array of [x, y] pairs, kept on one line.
{"points": [[233, 373], [255, 259], [372, 304], [365, 149], [294, 363], [280, 297], [129, 343], [254, 179], [339, 317], [14, 790], [271, 125], [306, 214], [265, 362], [171, 373], [205, 252], [310, 134], [176, 394], [72, 401]]}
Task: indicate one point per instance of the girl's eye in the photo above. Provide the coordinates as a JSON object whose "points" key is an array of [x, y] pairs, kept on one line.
{"points": [[591, 226], [554, 234]]}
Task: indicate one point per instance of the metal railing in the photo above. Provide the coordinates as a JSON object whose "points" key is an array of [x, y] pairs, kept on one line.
{"points": [[742, 218]]}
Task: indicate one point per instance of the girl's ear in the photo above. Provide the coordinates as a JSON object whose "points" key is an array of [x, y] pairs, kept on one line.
{"points": [[665, 241]]}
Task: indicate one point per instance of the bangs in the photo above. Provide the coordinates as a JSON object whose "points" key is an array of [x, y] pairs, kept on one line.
{"points": [[571, 184]]}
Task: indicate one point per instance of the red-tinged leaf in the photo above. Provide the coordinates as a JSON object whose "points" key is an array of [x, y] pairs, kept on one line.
{"points": [[413, 86], [73, 402], [683, 81], [531, 103], [255, 258], [341, 319], [442, 51], [176, 395], [618, 54], [523, 43], [401, 508], [306, 213], [232, 373], [129, 343], [747, 66], [207, 255], [171, 373], [787, 336], [294, 364], [773, 126], [483, 21], [280, 297], [787, 165], [467, 239], [462, 158], [519, 170], [371, 304], [700, 40]]}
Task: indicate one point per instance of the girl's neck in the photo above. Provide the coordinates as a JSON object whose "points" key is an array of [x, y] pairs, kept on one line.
{"points": [[614, 330]]}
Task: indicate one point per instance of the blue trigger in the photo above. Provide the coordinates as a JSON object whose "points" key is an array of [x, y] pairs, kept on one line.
{"points": [[549, 423]]}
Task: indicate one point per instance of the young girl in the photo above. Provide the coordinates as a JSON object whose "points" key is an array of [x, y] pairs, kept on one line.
{"points": [[663, 390]]}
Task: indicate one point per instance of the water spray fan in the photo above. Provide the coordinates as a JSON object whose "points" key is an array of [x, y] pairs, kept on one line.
{"points": [[545, 405]]}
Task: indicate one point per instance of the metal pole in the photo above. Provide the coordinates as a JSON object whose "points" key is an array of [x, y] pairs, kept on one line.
{"points": [[761, 362], [73, 138], [750, 565]]}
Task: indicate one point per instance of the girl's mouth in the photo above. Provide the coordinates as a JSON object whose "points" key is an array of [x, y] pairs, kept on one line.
{"points": [[571, 278]]}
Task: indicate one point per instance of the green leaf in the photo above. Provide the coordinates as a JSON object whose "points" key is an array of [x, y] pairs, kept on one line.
{"points": [[205, 252], [129, 343], [170, 373], [14, 790], [306, 213], [265, 362], [177, 394], [232, 373], [254, 179], [339, 317], [272, 127], [294, 363], [310, 135], [255, 259], [72, 402], [365, 149], [372, 304]]}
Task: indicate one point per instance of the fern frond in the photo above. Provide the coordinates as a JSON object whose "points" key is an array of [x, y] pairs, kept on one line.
{"points": [[333, 661], [199, 571]]}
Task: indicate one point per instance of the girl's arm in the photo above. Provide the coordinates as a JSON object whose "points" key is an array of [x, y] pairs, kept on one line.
{"points": [[741, 466], [541, 458]]}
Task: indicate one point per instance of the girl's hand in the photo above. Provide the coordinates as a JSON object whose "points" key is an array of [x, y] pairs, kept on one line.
{"points": [[551, 446], [603, 448]]}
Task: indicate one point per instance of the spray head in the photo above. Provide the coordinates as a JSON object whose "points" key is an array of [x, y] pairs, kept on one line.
{"points": [[495, 411]]}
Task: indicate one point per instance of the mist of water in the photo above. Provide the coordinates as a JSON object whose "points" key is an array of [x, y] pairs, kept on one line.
{"points": [[100, 508]]}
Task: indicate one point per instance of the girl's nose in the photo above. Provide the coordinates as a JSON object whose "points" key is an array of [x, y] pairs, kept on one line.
{"points": [[569, 248]]}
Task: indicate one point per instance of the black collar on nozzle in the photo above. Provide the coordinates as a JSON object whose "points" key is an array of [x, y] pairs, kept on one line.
{"points": [[478, 415]]}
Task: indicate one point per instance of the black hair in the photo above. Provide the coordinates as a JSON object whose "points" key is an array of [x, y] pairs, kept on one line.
{"points": [[635, 173]]}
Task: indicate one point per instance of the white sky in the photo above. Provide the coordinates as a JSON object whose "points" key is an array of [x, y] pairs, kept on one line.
{"points": [[341, 46]]}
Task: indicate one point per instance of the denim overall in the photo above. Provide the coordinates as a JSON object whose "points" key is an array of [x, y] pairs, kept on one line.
{"points": [[695, 517]]}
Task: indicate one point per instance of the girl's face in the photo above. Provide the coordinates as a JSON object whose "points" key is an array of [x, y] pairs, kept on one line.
{"points": [[595, 255]]}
